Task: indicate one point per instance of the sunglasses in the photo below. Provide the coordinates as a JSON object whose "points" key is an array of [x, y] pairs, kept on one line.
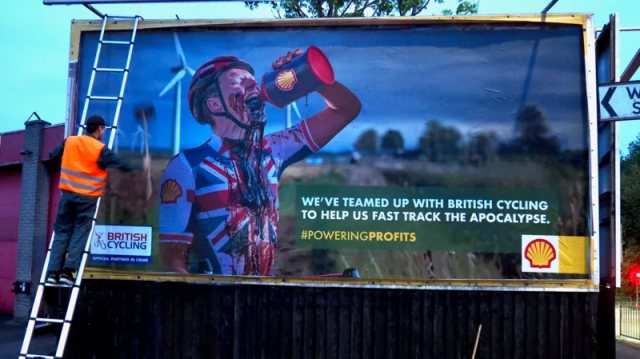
{"points": [[105, 127]]}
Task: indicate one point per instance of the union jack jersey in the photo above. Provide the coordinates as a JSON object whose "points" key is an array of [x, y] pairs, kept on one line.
{"points": [[200, 202]]}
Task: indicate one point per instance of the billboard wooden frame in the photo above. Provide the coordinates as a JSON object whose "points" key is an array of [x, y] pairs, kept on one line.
{"points": [[78, 27]]}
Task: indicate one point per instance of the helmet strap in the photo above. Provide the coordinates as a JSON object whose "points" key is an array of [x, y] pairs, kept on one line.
{"points": [[226, 112]]}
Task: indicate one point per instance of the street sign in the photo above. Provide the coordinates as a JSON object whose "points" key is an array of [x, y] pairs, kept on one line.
{"points": [[619, 101]]}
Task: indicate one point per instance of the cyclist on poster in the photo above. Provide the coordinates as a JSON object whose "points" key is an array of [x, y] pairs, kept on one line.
{"points": [[219, 201]]}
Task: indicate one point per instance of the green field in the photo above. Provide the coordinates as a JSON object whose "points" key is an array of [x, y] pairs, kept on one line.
{"points": [[124, 203]]}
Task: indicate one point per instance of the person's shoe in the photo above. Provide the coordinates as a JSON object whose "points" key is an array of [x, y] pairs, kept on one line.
{"points": [[52, 278], [67, 277]]}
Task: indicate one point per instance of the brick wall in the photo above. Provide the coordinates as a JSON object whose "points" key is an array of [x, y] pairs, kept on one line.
{"points": [[54, 198], [39, 206], [32, 230]]}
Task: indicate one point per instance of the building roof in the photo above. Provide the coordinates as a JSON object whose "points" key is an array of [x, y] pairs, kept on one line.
{"points": [[12, 143]]}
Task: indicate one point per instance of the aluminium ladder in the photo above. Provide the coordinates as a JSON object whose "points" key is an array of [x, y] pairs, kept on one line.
{"points": [[66, 322]]}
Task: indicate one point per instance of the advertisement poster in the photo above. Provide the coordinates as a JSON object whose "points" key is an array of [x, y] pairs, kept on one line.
{"points": [[121, 244], [450, 151]]}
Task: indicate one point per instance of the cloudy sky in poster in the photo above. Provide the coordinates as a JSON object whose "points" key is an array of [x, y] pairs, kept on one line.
{"points": [[471, 78]]}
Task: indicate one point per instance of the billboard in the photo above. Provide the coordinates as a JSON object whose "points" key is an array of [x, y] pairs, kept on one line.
{"points": [[406, 150]]}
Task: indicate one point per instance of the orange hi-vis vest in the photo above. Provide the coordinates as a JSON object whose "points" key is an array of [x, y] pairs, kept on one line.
{"points": [[80, 172]]}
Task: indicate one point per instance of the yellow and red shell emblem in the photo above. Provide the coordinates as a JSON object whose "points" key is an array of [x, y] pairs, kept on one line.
{"points": [[540, 253], [286, 79], [170, 192]]}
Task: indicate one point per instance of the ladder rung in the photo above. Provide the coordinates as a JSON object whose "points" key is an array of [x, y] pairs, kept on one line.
{"points": [[57, 285], [104, 98], [104, 69], [39, 356], [111, 42], [49, 320], [121, 17]]}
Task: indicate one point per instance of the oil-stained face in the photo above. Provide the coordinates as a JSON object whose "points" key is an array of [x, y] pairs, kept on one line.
{"points": [[241, 95]]}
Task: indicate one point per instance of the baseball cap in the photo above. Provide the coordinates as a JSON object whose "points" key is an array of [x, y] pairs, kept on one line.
{"points": [[94, 121]]}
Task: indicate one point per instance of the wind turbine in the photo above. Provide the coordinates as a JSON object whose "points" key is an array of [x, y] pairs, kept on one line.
{"points": [[180, 71], [288, 118], [116, 145], [138, 140]]}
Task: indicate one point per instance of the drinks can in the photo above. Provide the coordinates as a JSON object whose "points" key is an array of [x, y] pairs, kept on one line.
{"points": [[303, 75]]}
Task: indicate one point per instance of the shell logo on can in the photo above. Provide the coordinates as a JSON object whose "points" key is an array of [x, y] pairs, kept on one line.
{"points": [[286, 79], [540, 253]]}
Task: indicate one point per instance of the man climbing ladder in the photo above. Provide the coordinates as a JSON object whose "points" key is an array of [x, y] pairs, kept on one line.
{"points": [[83, 176], [84, 163]]}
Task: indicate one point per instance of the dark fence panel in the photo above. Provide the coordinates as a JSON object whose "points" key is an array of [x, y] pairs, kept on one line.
{"points": [[138, 319]]}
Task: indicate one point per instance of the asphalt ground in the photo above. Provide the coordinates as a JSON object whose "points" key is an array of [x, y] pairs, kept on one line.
{"points": [[626, 350], [12, 334]]}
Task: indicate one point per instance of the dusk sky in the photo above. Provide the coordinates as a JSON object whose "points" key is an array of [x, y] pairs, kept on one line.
{"points": [[471, 79], [35, 75]]}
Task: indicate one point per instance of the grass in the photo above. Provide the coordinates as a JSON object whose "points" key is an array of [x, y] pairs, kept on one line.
{"points": [[124, 203]]}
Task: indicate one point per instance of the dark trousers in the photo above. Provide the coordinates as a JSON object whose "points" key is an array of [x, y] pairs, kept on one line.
{"points": [[72, 229]]}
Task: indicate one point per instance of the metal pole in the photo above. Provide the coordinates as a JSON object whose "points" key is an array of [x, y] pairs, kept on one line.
{"points": [[636, 293], [631, 69], [624, 29], [94, 10], [546, 9]]}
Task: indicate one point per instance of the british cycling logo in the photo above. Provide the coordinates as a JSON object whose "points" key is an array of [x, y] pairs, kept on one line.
{"points": [[99, 242]]}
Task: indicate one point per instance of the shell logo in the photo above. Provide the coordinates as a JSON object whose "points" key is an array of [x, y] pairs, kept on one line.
{"points": [[170, 192], [286, 79], [540, 253]]}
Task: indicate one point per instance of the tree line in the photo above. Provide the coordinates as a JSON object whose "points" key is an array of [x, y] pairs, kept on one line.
{"points": [[440, 143], [359, 8], [630, 209]]}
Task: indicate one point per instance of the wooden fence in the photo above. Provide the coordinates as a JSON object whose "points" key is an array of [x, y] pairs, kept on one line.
{"points": [[144, 319]]}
